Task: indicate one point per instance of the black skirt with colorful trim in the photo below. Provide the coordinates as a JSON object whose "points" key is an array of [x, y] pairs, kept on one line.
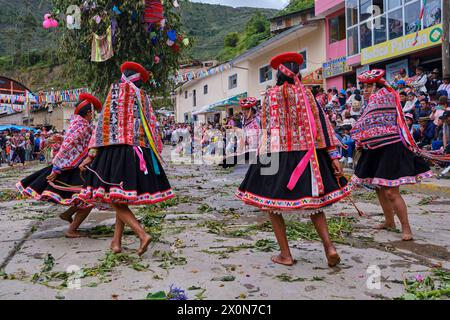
{"points": [[270, 192], [390, 166], [116, 176], [64, 190]]}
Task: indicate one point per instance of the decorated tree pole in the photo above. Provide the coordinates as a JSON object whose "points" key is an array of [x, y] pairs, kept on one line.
{"points": [[96, 37]]}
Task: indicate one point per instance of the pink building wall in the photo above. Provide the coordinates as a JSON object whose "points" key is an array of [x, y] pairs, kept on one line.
{"points": [[321, 6], [336, 49]]}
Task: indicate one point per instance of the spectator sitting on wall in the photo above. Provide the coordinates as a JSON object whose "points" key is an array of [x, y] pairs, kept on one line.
{"points": [[403, 98], [419, 84], [424, 109], [409, 117], [425, 134], [445, 86], [434, 82], [438, 139], [402, 75], [411, 104], [439, 110]]}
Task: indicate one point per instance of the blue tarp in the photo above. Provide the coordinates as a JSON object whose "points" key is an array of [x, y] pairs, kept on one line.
{"points": [[14, 127]]}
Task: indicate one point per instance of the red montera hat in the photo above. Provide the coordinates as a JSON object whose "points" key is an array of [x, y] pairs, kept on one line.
{"points": [[85, 99], [287, 57], [136, 67], [247, 103], [372, 76]]}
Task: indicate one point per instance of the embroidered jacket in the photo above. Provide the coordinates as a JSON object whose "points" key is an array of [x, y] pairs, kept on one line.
{"points": [[75, 145], [251, 129], [378, 127], [285, 127], [120, 121]]}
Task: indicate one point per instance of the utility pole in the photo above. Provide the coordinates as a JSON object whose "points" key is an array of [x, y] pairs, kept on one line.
{"points": [[446, 38]]}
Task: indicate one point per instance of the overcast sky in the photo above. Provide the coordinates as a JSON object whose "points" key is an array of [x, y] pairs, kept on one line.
{"points": [[276, 4]]}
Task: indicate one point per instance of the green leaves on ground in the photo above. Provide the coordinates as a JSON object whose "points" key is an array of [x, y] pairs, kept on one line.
{"points": [[102, 270], [10, 195], [168, 260], [287, 278], [432, 287], [339, 228]]}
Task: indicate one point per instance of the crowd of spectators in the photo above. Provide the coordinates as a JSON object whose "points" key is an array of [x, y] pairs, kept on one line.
{"points": [[425, 102], [19, 147]]}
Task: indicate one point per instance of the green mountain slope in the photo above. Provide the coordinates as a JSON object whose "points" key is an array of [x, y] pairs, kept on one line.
{"points": [[209, 24], [206, 24], [21, 26]]}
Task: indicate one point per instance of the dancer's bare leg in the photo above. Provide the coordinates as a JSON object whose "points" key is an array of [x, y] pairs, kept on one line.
{"points": [[400, 208], [388, 210], [79, 218], [68, 214], [279, 228], [320, 223], [116, 243], [127, 217]]}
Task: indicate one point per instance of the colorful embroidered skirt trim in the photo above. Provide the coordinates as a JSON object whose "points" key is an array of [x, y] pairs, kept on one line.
{"points": [[393, 183]]}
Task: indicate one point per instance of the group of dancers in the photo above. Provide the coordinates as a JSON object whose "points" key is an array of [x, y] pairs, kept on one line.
{"points": [[118, 161]]}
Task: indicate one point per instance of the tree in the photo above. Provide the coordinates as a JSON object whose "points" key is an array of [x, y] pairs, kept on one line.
{"points": [[231, 39], [133, 40]]}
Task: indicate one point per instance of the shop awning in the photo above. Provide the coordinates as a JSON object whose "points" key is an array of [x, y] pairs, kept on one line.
{"points": [[15, 128], [230, 102]]}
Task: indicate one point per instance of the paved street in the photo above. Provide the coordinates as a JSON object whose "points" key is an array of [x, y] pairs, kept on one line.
{"points": [[212, 246]]}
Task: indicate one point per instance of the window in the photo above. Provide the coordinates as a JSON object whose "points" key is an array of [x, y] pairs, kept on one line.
{"points": [[205, 89], [365, 11], [392, 4], [353, 41], [379, 7], [304, 66], [412, 22], [366, 36], [433, 13], [396, 24], [279, 23], [380, 32], [185, 94], [337, 28], [352, 13], [371, 22], [265, 74], [194, 97], [232, 81]]}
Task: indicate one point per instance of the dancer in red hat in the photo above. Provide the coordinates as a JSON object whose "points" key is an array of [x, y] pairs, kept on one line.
{"points": [[390, 157], [298, 167], [242, 144], [61, 182], [123, 167], [251, 126]]}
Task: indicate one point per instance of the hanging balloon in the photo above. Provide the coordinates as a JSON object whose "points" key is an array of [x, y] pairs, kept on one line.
{"points": [[170, 43], [49, 22], [186, 42], [157, 60], [97, 19], [176, 48], [172, 35], [154, 38], [116, 10], [176, 4]]}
